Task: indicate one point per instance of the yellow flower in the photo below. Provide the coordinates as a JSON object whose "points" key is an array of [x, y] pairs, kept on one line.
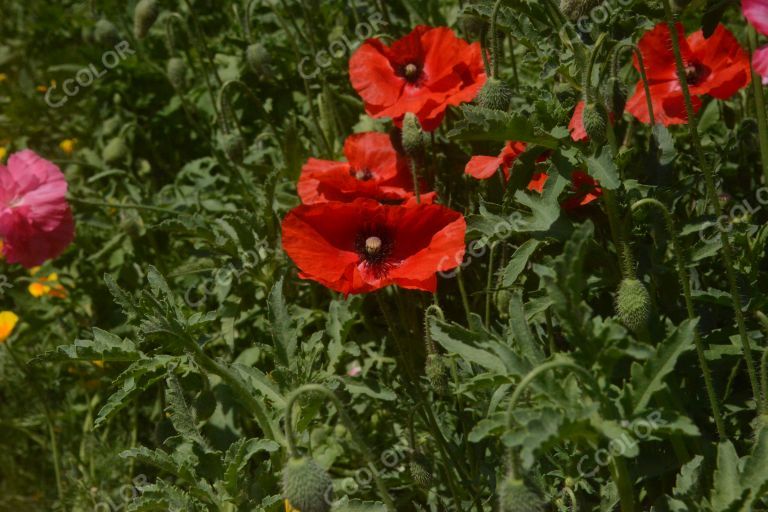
{"points": [[44, 88], [3, 77], [68, 146], [8, 321], [3, 152], [49, 286], [289, 508]]}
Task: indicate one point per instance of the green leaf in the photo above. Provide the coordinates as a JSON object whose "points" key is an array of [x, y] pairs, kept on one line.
{"points": [[105, 346], [485, 124], [179, 412], [544, 208], [237, 456], [648, 378], [524, 338], [725, 486], [457, 340], [518, 261], [603, 169], [284, 333]]}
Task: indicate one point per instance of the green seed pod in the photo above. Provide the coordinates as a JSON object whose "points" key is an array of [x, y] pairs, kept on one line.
{"points": [[115, 150], [516, 496], [437, 373], [495, 95], [501, 298], [233, 146], [105, 32], [421, 476], [575, 9], [258, 58], [306, 485], [144, 17], [413, 136], [177, 72], [633, 304], [595, 121], [615, 93]]}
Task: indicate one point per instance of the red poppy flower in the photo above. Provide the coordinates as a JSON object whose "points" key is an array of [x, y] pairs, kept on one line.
{"points": [[484, 167], [424, 73], [717, 67], [362, 246], [373, 169], [585, 189]]}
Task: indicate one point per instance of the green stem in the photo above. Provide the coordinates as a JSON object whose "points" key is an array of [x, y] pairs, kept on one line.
{"points": [[415, 176], [764, 362], [709, 179], [685, 284], [489, 285], [762, 124], [463, 293], [291, 440], [48, 419], [588, 94], [623, 484], [643, 78], [495, 46]]}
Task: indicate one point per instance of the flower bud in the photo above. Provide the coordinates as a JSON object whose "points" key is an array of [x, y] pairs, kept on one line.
{"points": [[233, 146], [306, 485], [144, 16], [633, 304], [501, 299], [419, 473], [575, 9], [495, 95], [177, 72], [595, 121], [413, 136], [257, 57], [437, 373], [115, 150], [105, 32], [516, 496], [615, 93]]}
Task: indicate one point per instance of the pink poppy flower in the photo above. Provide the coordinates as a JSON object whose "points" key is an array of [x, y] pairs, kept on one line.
{"points": [[36, 222], [756, 12]]}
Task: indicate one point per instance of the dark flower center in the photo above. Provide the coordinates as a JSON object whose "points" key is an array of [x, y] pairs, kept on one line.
{"points": [[411, 72], [374, 247], [696, 73], [361, 174]]}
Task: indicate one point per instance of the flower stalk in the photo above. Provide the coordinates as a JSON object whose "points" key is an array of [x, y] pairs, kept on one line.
{"points": [[714, 200]]}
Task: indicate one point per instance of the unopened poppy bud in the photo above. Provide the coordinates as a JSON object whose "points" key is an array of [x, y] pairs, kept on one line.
{"points": [[306, 485], [257, 57], [105, 32], [615, 93], [419, 473], [575, 9], [516, 496], [502, 298], [633, 304], [413, 136], [144, 16], [595, 121], [495, 95], [115, 150], [437, 373], [177, 72], [233, 146]]}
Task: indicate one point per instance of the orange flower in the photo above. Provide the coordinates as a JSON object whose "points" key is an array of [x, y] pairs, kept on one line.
{"points": [[47, 286], [68, 146], [8, 321]]}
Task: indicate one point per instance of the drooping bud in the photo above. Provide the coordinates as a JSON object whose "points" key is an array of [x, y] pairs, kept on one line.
{"points": [[516, 496], [495, 95], [115, 150], [418, 468], [595, 119], [144, 17], [306, 485], [413, 136], [436, 371], [105, 32], [633, 304], [615, 94], [233, 146], [257, 57], [177, 72], [575, 9]]}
